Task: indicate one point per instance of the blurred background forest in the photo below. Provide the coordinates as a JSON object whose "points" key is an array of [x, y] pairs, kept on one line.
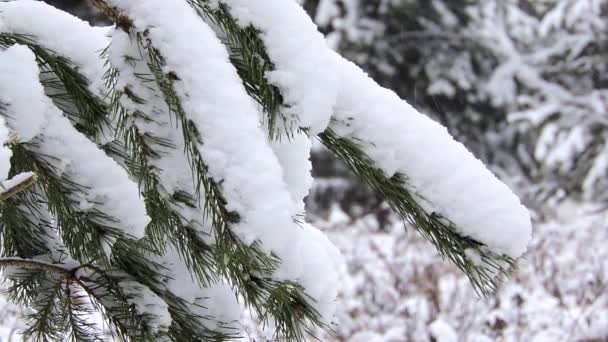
{"points": [[524, 84]]}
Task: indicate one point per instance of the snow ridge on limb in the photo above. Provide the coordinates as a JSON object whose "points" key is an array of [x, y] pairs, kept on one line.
{"points": [[61, 33], [67, 51], [289, 139], [294, 156], [300, 57], [448, 180], [101, 185]]}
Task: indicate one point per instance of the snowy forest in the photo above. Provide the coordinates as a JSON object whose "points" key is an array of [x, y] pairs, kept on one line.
{"points": [[523, 84]]}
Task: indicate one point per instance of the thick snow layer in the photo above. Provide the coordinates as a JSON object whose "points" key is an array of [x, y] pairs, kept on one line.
{"points": [[234, 144], [5, 151], [302, 61], [106, 186], [321, 260], [61, 32], [294, 156], [15, 91], [449, 180], [441, 331]]}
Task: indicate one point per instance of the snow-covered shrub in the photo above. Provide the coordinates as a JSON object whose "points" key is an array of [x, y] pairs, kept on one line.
{"points": [[395, 287], [156, 169]]}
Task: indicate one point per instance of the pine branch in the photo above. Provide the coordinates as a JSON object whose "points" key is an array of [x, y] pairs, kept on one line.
{"points": [[105, 287], [75, 307], [167, 224], [248, 54], [248, 268], [24, 225], [65, 85], [83, 233], [45, 324], [112, 280], [122, 21], [185, 323], [58, 306], [442, 234], [102, 290], [112, 292]]}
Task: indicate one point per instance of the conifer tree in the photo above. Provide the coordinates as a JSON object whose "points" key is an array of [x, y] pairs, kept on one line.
{"points": [[155, 170]]}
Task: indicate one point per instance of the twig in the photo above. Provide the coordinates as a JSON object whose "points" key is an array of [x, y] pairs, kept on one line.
{"points": [[21, 186], [122, 21], [35, 265]]}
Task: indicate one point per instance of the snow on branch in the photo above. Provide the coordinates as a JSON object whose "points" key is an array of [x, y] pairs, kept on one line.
{"points": [[447, 179], [300, 58], [64, 35], [222, 187], [99, 183], [222, 123], [387, 137]]}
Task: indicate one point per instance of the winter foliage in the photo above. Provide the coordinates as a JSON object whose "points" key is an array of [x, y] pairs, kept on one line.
{"points": [[155, 170]]}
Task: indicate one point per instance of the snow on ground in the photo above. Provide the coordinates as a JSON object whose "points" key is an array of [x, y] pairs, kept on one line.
{"points": [[396, 288]]}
